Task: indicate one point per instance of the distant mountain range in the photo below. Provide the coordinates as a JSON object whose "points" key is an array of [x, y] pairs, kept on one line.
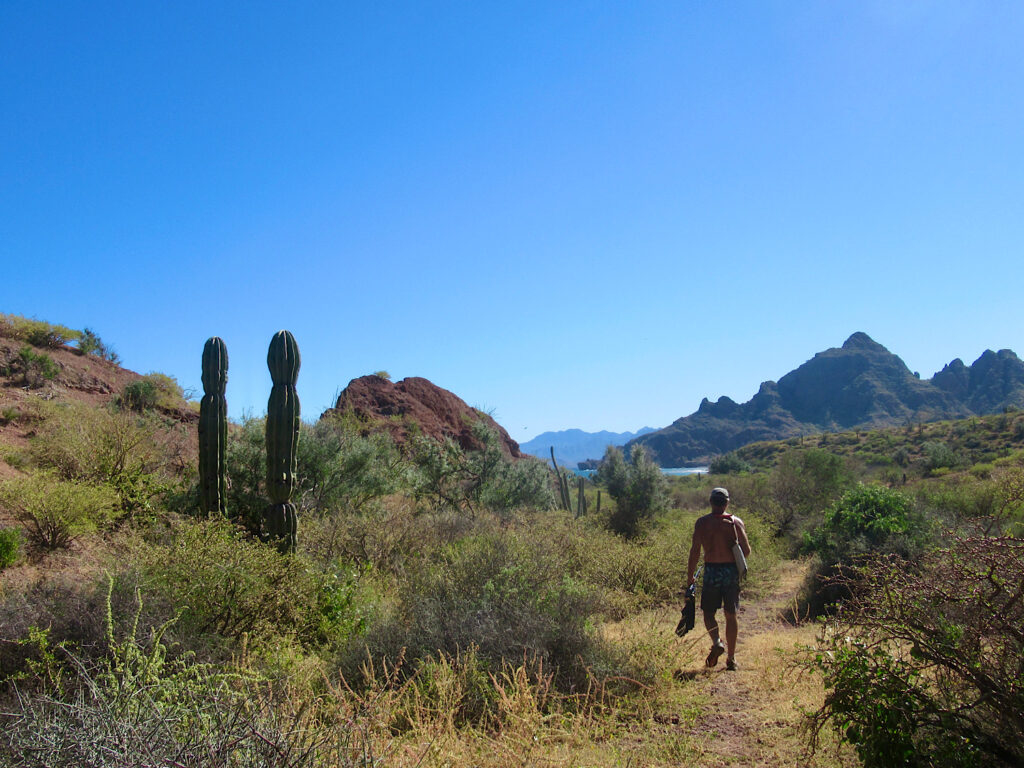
{"points": [[858, 385], [574, 445]]}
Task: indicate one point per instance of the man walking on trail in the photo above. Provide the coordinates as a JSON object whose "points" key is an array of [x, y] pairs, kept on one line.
{"points": [[716, 534]]}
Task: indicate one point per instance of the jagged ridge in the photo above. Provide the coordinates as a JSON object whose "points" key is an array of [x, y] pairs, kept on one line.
{"points": [[859, 385]]}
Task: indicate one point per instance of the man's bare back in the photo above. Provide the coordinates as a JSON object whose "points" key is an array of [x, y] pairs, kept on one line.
{"points": [[715, 534]]}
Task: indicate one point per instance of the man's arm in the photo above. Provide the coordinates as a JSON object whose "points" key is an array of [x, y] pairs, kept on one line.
{"points": [[691, 566], [741, 536]]}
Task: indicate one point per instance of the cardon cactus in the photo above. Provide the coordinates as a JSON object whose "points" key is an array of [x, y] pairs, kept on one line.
{"points": [[213, 427], [282, 439]]}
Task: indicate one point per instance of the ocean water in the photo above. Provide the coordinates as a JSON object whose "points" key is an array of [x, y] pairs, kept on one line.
{"points": [[684, 470], [675, 471]]}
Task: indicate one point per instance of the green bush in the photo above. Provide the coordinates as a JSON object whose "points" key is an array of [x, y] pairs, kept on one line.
{"points": [[339, 471], [509, 597], [451, 478], [154, 390], [38, 333], [922, 666], [137, 705], [32, 368], [10, 547], [91, 344], [802, 484], [938, 456], [638, 488], [135, 457], [869, 520], [222, 583], [56, 512], [728, 464]]}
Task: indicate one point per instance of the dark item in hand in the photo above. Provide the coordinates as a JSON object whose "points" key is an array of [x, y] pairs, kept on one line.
{"points": [[689, 611]]}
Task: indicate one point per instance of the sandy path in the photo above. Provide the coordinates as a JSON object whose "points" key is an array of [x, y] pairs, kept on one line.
{"points": [[753, 716]]}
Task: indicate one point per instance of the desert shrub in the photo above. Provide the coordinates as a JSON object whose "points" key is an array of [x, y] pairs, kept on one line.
{"points": [[901, 456], [728, 464], [441, 476], [922, 666], [10, 547], [449, 477], [638, 488], [507, 597], [382, 538], [450, 690], [957, 500], [869, 520], [135, 705], [622, 570], [246, 470], [338, 471], [802, 484], [38, 333], [32, 369], [342, 470], [154, 390], [939, 455], [649, 569], [521, 484], [222, 583], [135, 457], [56, 512], [91, 344], [45, 611], [982, 471]]}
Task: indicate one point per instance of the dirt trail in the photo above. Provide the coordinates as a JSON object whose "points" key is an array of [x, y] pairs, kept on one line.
{"points": [[753, 716]]}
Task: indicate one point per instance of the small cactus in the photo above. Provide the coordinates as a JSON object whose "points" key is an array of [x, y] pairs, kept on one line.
{"points": [[282, 439], [213, 428]]}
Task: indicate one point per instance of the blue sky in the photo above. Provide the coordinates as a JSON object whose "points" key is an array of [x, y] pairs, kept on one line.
{"points": [[573, 214]]}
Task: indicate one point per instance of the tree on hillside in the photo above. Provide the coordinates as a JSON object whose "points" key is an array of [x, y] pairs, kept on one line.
{"points": [[805, 482], [638, 488]]}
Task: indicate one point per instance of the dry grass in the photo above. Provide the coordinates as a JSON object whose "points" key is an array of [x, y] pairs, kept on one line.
{"points": [[688, 716]]}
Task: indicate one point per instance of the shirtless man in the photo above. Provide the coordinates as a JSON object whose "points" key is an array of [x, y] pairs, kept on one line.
{"points": [[716, 533]]}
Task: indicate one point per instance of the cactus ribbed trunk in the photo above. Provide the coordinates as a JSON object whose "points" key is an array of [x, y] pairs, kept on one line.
{"points": [[213, 428], [563, 484], [282, 440]]}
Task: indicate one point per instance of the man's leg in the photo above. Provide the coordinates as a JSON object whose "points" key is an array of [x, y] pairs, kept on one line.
{"points": [[717, 649], [731, 630], [711, 625]]}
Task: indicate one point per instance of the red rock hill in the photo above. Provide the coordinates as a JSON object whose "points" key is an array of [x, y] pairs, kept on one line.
{"points": [[395, 407]]}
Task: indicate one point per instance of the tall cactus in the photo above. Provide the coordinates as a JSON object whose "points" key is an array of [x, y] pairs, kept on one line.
{"points": [[213, 427], [282, 439]]}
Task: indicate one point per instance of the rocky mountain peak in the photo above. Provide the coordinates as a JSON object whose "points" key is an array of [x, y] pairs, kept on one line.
{"points": [[861, 340], [861, 384]]}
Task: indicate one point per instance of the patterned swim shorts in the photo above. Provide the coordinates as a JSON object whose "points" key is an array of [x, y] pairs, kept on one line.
{"points": [[721, 587]]}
